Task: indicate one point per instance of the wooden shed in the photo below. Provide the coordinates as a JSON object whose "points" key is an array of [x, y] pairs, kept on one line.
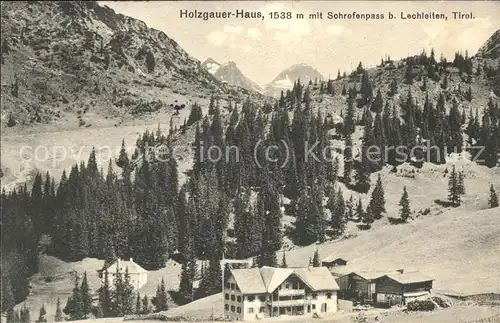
{"points": [[401, 288], [333, 262]]}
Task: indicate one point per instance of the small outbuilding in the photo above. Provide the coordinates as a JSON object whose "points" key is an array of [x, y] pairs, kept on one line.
{"points": [[331, 262], [396, 289]]}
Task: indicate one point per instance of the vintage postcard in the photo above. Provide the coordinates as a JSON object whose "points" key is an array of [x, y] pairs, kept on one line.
{"points": [[203, 161]]}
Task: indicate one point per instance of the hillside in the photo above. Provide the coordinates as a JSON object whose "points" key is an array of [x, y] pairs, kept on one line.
{"points": [[73, 71], [78, 60], [434, 245], [491, 49]]}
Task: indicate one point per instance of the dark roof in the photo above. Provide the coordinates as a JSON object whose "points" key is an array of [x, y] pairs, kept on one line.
{"points": [[409, 278]]}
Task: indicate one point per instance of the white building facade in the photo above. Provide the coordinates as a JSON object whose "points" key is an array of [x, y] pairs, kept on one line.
{"points": [[255, 293]]}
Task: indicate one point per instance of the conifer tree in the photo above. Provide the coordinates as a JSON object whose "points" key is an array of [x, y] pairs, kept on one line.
{"points": [[454, 188], [316, 262], [369, 217], [7, 299], [138, 304], [337, 208], [160, 300], [25, 314], [41, 316], [105, 302], [283, 260], [146, 306], [74, 306], [59, 315], [377, 201], [461, 183], [493, 199], [404, 203], [348, 160], [86, 297]]}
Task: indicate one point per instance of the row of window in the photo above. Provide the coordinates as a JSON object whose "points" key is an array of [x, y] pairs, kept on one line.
{"points": [[262, 298], [252, 298], [233, 298], [295, 285], [238, 309], [231, 286]]}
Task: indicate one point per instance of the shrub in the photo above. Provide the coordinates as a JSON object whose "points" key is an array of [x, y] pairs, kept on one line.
{"points": [[416, 305], [440, 302]]}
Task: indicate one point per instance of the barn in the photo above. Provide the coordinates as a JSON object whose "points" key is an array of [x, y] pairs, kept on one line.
{"points": [[331, 262], [396, 289]]}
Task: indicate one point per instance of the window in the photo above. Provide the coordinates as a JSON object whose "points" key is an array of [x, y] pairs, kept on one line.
{"points": [[329, 295], [295, 285], [314, 296], [313, 306], [228, 285], [226, 296], [250, 310], [232, 297], [287, 286], [262, 310], [262, 298], [238, 299], [232, 286], [232, 308], [226, 307], [238, 309], [251, 298]]}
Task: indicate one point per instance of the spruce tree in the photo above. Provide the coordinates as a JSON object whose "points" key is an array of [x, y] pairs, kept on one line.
{"points": [[105, 302], [461, 183], [59, 315], [283, 260], [493, 199], [41, 316], [377, 201], [337, 207], [316, 262], [146, 306], [138, 304], [404, 203], [454, 188], [74, 306], [86, 297], [160, 300]]}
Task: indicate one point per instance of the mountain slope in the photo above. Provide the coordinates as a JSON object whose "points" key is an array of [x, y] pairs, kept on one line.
{"points": [[230, 74], [491, 49], [284, 80], [62, 58], [456, 248]]}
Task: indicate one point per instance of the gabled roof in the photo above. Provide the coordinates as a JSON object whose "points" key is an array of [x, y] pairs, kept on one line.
{"points": [[409, 278], [133, 268], [267, 279], [249, 280], [332, 258], [278, 276], [317, 278]]}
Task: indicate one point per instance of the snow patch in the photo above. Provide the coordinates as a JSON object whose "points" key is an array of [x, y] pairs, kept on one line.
{"points": [[212, 68], [285, 83]]}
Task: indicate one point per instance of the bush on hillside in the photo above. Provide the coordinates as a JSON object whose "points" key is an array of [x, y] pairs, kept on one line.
{"points": [[416, 305], [440, 302]]}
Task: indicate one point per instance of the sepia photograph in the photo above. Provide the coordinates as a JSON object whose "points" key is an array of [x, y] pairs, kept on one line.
{"points": [[273, 161]]}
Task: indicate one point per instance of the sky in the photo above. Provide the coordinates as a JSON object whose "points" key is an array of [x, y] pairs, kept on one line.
{"points": [[262, 48]]}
